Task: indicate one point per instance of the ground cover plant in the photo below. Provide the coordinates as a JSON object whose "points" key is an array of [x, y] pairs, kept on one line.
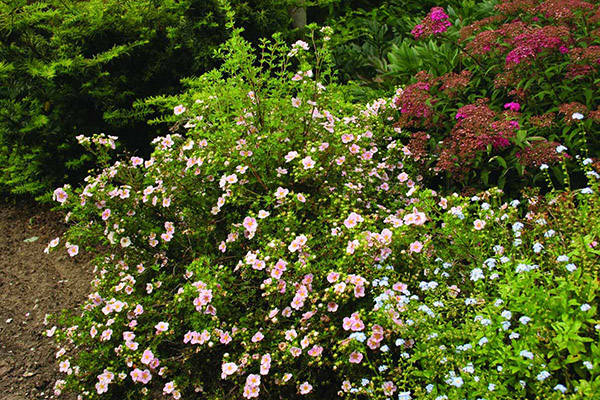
{"points": [[524, 80], [279, 243]]}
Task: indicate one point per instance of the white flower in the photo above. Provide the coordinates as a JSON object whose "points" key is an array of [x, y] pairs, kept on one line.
{"points": [[477, 274], [526, 354], [577, 116], [524, 320], [560, 149], [560, 388], [543, 375], [587, 190], [585, 307], [544, 166]]}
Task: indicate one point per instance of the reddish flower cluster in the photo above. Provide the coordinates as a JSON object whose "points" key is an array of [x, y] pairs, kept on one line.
{"points": [[413, 104], [418, 145], [478, 126], [562, 9], [516, 6], [435, 23], [451, 83], [529, 44], [538, 153], [469, 30], [569, 109], [542, 121], [590, 54], [575, 71]]}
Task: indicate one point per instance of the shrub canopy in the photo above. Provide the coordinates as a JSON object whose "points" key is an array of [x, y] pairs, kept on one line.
{"points": [[283, 247]]}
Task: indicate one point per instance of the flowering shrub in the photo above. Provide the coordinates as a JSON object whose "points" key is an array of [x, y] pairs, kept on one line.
{"points": [[522, 86], [282, 247]]}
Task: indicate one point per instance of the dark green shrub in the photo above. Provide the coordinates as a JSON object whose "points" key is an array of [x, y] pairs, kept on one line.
{"points": [[76, 67]]}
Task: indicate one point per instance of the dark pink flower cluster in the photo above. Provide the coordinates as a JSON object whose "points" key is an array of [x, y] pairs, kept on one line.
{"points": [[477, 127], [529, 44], [435, 23]]}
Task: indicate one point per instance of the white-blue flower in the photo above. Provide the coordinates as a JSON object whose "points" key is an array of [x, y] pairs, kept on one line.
{"points": [[577, 116], [477, 274], [526, 354], [524, 319], [543, 375], [560, 388], [404, 396]]}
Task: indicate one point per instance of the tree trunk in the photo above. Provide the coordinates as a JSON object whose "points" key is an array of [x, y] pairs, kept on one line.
{"points": [[298, 14]]}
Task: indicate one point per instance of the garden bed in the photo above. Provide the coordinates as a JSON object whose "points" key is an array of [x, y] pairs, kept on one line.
{"points": [[33, 284]]}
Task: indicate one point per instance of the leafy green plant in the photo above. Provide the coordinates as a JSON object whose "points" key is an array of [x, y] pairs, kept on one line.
{"points": [[278, 243]]}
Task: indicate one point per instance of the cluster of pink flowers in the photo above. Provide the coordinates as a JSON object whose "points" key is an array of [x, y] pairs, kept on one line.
{"points": [[435, 23]]}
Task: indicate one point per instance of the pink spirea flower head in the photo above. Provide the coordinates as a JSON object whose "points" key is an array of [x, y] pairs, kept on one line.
{"points": [[436, 22]]}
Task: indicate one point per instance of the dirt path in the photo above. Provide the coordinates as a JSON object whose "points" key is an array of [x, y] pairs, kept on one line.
{"points": [[33, 284]]}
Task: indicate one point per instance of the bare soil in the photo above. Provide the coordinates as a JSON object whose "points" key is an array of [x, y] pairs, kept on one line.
{"points": [[32, 285]]}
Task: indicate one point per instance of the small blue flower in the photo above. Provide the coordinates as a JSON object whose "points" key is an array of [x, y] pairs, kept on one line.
{"points": [[577, 116], [543, 375], [560, 388]]}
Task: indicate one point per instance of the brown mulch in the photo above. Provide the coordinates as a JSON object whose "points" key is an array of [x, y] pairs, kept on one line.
{"points": [[32, 285]]}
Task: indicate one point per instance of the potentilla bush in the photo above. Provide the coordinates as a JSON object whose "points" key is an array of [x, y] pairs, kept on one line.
{"points": [[525, 83], [283, 247]]}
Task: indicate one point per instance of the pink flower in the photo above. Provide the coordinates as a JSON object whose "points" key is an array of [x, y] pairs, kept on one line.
{"points": [[72, 249], [308, 162], [280, 193], [512, 106], [258, 336], [136, 161], [180, 109], [352, 220], [250, 224], [333, 277], [478, 224], [60, 195], [416, 247], [415, 218], [106, 214], [305, 388], [161, 327], [228, 369], [147, 357], [315, 351], [169, 387], [356, 357]]}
